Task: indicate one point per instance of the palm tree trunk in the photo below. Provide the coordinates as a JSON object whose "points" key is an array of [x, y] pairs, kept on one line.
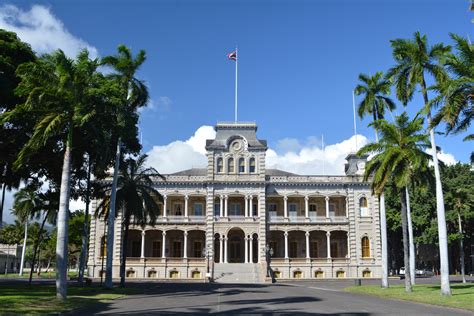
{"points": [[406, 251], [85, 233], [440, 212], [111, 220], [4, 187], [383, 239], [62, 222], [23, 250], [461, 250], [36, 247], [123, 262], [410, 239]]}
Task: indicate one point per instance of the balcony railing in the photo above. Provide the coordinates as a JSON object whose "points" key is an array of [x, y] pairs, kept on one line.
{"points": [[181, 218], [312, 219]]}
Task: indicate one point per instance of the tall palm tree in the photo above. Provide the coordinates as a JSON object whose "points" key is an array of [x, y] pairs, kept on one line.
{"points": [[56, 89], [399, 152], [376, 90], [138, 198], [414, 60], [134, 95]]}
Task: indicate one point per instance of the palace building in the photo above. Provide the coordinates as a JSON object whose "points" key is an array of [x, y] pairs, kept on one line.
{"points": [[232, 219]]}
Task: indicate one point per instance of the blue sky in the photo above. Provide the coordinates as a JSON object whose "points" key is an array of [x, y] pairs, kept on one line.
{"points": [[299, 60]]}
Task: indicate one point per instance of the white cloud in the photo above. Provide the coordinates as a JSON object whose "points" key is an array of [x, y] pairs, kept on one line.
{"points": [[42, 30], [447, 158], [162, 104]]}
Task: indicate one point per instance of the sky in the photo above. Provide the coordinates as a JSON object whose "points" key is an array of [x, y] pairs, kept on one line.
{"points": [[298, 64]]}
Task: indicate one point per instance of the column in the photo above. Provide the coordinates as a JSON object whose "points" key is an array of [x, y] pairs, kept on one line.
{"points": [[306, 206], [285, 206], [221, 207], [328, 242], [163, 246], [251, 249], [251, 205], [186, 199], [246, 250], [347, 206], [142, 255], [225, 249], [185, 250], [246, 206], [221, 244], [226, 206], [348, 246], [286, 245], [165, 212], [307, 245], [327, 206]]}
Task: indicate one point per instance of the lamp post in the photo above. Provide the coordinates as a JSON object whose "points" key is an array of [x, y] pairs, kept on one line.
{"points": [[268, 255], [206, 252]]}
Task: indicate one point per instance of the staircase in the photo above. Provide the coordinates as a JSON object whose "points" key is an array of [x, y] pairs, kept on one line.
{"points": [[236, 273]]}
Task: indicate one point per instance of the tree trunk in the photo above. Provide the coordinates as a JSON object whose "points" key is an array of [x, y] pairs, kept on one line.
{"points": [[36, 247], [410, 239], [383, 237], [111, 220], [62, 223], [461, 250], [4, 187], [85, 233], [23, 250], [440, 212], [406, 251], [123, 262]]}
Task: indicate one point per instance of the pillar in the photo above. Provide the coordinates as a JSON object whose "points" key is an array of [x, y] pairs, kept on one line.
{"points": [[226, 204], [221, 206], [225, 250], [328, 242], [186, 200], [221, 244], [347, 207], [163, 246], [285, 206], [348, 255], [246, 250], [185, 250], [251, 205], [165, 212], [286, 245], [246, 206], [327, 206], [307, 245], [306, 206], [142, 255], [251, 249]]}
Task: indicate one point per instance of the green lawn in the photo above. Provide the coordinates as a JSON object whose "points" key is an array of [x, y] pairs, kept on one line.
{"points": [[462, 294], [41, 298], [43, 275]]}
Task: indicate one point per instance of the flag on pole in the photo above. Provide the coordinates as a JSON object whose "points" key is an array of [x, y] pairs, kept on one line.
{"points": [[233, 55]]}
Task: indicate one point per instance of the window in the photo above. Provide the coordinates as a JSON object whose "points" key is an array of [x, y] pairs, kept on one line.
{"points": [[176, 250], [103, 248], [220, 165], [319, 274], [313, 211], [293, 249], [217, 209], [365, 247], [334, 250], [297, 274], [366, 274], [230, 165], [198, 209], [277, 274], [332, 209], [234, 209], [130, 274], [241, 165], [252, 165], [255, 210], [313, 250], [136, 248], [197, 249], [196, 275], [363, 207], [293, 210], [156, 248], [272, 210], [174, 275], [340, 274], [177, 209], [152, 274]]}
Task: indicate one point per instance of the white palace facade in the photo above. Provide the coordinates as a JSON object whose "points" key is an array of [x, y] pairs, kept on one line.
{"points": [[230, 220]]}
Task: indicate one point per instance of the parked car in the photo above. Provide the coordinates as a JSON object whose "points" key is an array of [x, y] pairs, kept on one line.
{"points": [[418, 272]]}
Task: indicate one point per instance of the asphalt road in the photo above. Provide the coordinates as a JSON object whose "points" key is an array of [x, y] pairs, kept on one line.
{"points": [[302, 298]]}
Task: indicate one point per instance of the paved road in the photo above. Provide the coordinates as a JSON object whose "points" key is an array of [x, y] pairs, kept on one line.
{"points": [[302, 298]]}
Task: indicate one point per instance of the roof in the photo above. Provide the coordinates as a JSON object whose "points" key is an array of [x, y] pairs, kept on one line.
{"points": [[278, 172], [203, 172]]}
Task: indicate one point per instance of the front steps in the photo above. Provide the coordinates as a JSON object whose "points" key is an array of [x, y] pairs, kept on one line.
{"points": [[237, 273]]}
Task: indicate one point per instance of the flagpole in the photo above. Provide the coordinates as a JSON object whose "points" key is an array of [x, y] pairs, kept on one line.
{"points": [[236, 72], [324, 154], [355, 124]]}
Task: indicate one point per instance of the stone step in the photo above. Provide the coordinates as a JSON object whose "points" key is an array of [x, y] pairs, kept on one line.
{"points": [[236, 273]]}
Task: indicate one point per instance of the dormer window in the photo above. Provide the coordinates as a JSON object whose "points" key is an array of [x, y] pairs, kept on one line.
{"points": [[241, 165], [252, 165], [230, 165], [220, 165], [363, 208]]}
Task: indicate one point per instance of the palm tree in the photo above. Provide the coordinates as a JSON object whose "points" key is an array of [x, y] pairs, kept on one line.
{"points": [[138, 198], [134, 95], [375, 90], [456, 94], [415, 59], [56, 92], [399, 152]]}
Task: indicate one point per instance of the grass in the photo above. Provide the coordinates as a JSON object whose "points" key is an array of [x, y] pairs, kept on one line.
{"points": [[462, 294], [41, 298], [43, 275]]}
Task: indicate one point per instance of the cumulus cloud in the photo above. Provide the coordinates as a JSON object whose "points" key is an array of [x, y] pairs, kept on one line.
{"points": [[447, 158], [42, 30]]}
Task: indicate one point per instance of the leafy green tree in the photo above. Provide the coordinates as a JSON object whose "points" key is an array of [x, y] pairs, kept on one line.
{"points": [[134, 94], [138, 197], [399, 152], [415, 59], [376, 90]]}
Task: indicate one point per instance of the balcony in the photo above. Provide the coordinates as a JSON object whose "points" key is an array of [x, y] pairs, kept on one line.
{"points": [[183, 219], [311, 219]]}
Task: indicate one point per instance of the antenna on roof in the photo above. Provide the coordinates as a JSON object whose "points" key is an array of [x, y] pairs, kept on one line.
{"points": [[324, 154], [355, 124]]}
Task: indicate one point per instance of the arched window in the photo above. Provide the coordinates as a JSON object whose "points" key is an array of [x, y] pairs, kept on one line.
{"points": [[363, 209], [241, 165], [252, 165], [103, 246], [220, 165], [365, 247], [230, 165]]}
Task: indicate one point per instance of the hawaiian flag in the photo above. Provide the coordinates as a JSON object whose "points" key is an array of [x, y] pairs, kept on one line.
{"points": [[233, 55]]}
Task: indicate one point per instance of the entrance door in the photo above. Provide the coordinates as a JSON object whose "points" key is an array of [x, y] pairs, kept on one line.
{"points": [[235, 250]]}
